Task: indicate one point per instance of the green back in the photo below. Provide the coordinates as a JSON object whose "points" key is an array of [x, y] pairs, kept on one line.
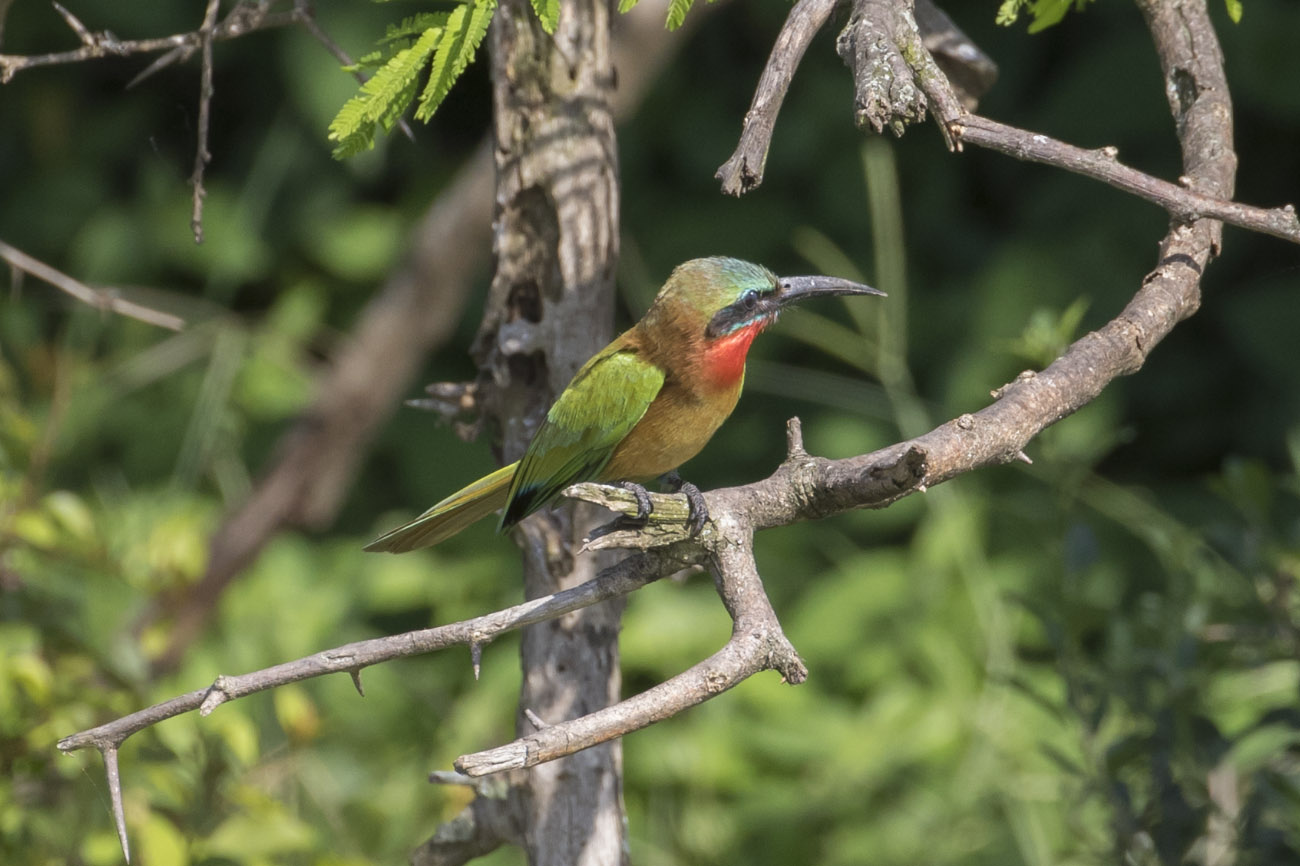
{"points": [[602, 404]]}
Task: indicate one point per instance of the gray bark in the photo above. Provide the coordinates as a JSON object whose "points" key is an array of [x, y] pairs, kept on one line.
{"points": [[550, 309]]}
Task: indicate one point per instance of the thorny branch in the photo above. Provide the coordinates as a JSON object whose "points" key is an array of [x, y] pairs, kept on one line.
{"points": [[247, 16], [808, 487]]}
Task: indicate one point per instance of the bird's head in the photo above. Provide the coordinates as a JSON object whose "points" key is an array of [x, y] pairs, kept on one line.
{"points": [[723, 303], [728, 296]]}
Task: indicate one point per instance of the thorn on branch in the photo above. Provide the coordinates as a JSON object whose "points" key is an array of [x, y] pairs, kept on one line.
{"points": [[83, 33], [114, 776], [476, 657], [534, 719], [355, 674]]}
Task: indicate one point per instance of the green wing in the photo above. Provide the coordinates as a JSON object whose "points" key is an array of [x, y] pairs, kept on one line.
{"points": [[602, 404]]}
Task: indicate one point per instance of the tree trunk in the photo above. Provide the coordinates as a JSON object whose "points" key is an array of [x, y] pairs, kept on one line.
{"points": [[551, 308]]}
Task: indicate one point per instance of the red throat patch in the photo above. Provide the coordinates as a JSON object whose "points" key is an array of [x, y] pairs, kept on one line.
{"points": [[724, 358]]}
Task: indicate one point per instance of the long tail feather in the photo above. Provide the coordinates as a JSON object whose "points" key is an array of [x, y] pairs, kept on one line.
{"points": [[451, 515]]}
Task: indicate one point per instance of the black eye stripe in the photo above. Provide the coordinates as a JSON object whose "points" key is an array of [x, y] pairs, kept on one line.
{"points": [[740, 311]]}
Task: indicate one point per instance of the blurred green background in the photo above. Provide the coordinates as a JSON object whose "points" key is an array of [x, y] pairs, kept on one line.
{"points": [[1092, 659]]}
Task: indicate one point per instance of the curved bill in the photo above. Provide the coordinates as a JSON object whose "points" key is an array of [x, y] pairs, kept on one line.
{"points": [[795, 289]]}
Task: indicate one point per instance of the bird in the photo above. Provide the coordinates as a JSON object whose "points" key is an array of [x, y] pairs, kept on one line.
{"points": [[640, 407]]}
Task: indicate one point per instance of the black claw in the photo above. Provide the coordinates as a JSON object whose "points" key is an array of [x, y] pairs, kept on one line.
{"points": [[644, 506], [699, 508]]}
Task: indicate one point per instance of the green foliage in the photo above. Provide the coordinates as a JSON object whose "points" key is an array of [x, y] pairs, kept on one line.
{"points": [[465, 29], [445, 42], [677, 10], [548, 12], [1045, 13]]}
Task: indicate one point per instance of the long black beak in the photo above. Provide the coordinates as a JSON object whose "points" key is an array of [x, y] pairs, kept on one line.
{"points": [[796, 289]]}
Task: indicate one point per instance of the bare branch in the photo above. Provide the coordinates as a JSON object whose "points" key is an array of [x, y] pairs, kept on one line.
{"points": [[202, 155], [879, 44], [100, 299], [1184, 203], [245, 18], [897, 79], [744, 170], [757, 643], [625, 577]]}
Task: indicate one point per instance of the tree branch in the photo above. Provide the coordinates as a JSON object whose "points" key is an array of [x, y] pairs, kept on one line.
{"points": [[99, 298], [959, 56], [744, 170], [757, 643], [625, 577], [202, 156], [897, 78], [246, 17]]}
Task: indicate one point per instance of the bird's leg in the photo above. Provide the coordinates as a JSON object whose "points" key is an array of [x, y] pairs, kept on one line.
{"points": [[699, 509]]}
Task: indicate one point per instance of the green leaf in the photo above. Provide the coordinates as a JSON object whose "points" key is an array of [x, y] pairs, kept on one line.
{"points": [[677, 10], [413, 26], [626, 5], [1234, 10], [1047, 13], [383, 97], [1009, 11], [466, 28], [548, 12]]}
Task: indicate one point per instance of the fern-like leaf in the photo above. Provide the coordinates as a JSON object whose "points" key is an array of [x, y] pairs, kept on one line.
{"points": [[548, 12], [677, 10], [383, 98], [466, 27], [413, 26]]}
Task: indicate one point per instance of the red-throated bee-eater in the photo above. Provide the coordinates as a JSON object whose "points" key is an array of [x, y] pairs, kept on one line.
{"points": [[643, 405]]}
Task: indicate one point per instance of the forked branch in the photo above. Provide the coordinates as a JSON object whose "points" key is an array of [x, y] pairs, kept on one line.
{"points": [[896, 78], [245, 17]]}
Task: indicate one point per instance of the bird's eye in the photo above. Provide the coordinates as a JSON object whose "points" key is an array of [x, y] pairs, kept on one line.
{"points": [[749, 299]]}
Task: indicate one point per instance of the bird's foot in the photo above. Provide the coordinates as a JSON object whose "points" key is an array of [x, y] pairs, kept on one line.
{"points": [[644, 508], [695, 499], [696, 518]]}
